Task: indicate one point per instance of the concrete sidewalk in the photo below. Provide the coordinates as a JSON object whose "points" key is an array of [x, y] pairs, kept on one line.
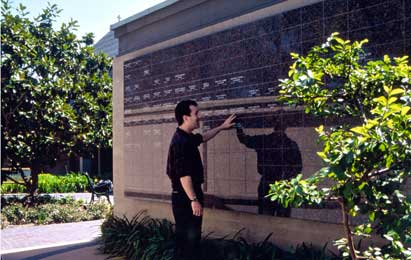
{"points": [[26, 238], [55, 241], [81, 251]]}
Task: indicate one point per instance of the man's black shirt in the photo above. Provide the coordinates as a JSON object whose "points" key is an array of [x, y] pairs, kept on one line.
{"points": [[184, 159]]}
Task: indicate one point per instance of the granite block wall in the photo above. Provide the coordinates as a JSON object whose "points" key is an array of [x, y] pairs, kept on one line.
{"points": [[237, 71]]}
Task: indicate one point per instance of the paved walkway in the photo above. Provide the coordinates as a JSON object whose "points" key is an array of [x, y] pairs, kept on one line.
{"points": [[83, 251], [25, 238], [55, 241]]}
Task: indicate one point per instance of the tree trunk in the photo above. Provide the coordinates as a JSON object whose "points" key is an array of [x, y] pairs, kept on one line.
{"points": [[347, 229], [34, 182]]}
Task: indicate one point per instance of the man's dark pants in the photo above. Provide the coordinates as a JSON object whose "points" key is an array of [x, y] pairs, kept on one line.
{"points": [[188, 227]]}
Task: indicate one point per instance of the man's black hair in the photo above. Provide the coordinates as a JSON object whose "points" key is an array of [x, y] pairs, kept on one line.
{"points": [[183, 108]]}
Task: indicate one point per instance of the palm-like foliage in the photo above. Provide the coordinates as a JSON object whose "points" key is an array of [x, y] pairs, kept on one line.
{"points": [[139, 238], [144, 238]]}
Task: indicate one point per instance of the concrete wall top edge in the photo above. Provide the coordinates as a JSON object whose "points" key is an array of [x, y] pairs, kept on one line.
{"points": [[142, 14], [152, 16], [181, 17]]}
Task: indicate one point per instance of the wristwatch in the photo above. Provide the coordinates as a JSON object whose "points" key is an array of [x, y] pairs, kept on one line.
{"points": [[194, 199]]}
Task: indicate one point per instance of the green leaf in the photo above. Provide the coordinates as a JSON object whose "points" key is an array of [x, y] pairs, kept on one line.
{"points": [[387, 59], [397, 91], [382, 100], [404, 110], [392, 100], [387, 89], [398, 244], [360, 130], [368, 230], [320, 129], [395, 108], [371, 216], [322, 155], [362, 185]]}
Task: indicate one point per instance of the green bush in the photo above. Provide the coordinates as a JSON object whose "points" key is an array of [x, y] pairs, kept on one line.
{"points": [[49, 183], [145, 238], [11, 187], [50, 210]]}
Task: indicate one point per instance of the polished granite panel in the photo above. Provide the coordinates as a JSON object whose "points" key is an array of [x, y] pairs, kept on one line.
{"points": [[380, 34], [375, 15], [312, 13], [335, 7], [360, 4], [338, 23], [227, 59], [407, 8]]}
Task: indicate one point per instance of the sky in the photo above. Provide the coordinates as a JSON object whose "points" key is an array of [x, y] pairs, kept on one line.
{"points": [[94, 16]]}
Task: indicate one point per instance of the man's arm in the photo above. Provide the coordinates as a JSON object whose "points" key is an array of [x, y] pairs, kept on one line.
{"points": [[187, 184], [228, 123]]}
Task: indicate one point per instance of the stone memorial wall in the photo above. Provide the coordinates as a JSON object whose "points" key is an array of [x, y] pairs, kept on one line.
{"points": [[237, 70]]}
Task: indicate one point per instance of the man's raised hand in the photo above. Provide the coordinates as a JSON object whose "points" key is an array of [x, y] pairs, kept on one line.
{"points": [[228, 123]]}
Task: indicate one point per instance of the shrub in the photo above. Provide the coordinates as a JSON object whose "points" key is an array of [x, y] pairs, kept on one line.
{"points": [[72, 182], [49, 183], [11, 187], [137, 232], [49, 210], [310, 252], [145, 238]]}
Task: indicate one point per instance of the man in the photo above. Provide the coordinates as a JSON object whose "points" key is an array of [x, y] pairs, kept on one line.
{"points": [[185, 169]]}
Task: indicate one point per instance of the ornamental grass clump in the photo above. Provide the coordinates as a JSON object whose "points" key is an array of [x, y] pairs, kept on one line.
{"points": [[140, 238]]}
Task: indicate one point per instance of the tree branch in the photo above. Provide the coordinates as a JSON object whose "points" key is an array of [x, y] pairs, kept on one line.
{"points": [[26, 182], [378, 173], [12, 179], [375, 173], [359, 105], [19, 102]]}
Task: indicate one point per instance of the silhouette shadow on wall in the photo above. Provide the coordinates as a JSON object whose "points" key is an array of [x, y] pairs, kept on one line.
{"points": [[278, 158]]}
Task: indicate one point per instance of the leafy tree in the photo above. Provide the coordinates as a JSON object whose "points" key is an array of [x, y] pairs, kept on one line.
{"points": [[56, 93], [367, 163]]}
